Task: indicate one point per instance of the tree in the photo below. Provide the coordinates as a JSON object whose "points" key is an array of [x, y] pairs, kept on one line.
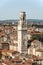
{"points": [[34, 37]]}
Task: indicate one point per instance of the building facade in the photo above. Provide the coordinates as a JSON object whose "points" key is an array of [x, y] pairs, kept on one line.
{"points": [[15, 37], [22, 31]]}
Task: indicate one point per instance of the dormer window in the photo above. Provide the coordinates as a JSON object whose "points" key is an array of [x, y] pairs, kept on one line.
{"points": [[7, 31], [5, 39]]}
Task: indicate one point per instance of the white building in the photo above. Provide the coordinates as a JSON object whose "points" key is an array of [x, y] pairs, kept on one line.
{"points": [[22, 31], [39, 52], [34, 46]]}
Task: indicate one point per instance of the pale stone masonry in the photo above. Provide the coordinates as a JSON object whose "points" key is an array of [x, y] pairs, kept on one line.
{"points": [[22, 31], [15, 37]]}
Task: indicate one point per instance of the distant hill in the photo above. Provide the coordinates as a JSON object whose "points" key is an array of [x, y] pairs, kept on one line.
{"points": [[34, 20], [29, 21]]}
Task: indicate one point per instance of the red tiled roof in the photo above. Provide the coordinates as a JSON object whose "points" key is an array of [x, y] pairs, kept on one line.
{"points": [[35, 32], [39, 50], [4, 50], [36, 42], [1, 64], [40, 58]]}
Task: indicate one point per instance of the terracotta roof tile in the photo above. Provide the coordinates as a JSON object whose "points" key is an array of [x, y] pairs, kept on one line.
{"points": [[39, 50], [36, 42]]}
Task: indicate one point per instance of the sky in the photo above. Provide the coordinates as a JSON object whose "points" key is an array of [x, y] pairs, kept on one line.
{"points": [[9, 9]]}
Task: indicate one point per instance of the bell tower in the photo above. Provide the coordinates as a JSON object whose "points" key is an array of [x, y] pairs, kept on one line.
{"points": [[22, 33]]}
